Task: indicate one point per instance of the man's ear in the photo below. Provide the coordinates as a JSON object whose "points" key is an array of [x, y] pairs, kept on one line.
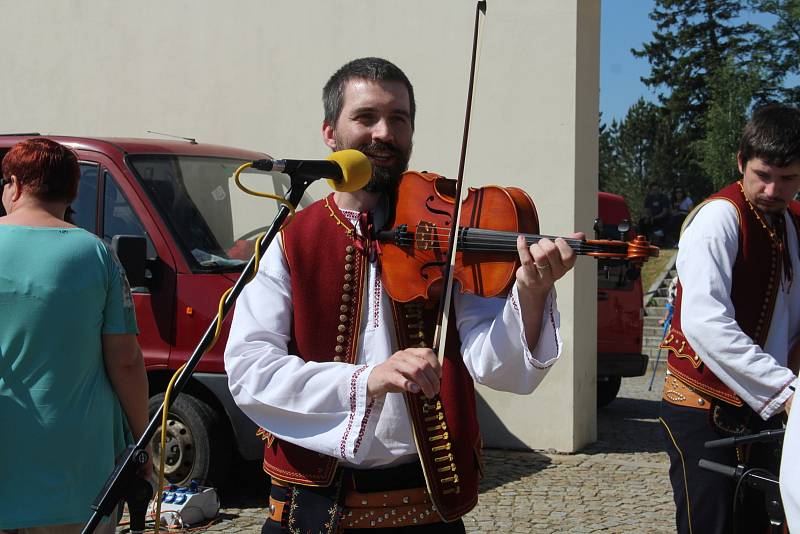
{"points": [[740, 163], [328, 135]]}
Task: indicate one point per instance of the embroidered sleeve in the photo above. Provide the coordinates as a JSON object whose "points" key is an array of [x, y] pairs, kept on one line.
{"points": [[319, 406], [360, 423]]}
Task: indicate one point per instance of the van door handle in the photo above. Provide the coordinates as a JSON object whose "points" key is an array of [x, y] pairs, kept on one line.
{"points": [[602, 295]]}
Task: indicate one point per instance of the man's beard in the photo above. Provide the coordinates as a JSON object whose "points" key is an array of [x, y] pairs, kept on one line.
{"points": [[384, 179]]}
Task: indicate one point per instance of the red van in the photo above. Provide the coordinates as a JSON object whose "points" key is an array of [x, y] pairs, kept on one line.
{"points": [[620, 312], [197, 225]]}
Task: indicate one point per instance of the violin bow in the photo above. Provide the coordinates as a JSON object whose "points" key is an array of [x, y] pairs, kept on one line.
{"points": [[442, 315]]}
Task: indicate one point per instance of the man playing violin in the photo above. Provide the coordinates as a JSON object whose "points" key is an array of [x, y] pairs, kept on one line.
{"points": [[322, 359], [737, 315]]}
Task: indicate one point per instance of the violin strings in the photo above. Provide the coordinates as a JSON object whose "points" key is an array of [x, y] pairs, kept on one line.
{"points": [[469, 244], [472, 243], [492, 240]]}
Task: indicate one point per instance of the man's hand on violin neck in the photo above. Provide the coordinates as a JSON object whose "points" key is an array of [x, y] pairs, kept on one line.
{"points": [[411, 370], [543, 263]]}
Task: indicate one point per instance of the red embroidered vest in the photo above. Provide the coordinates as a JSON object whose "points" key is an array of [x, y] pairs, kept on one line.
{"points": [[327, 291], [756, 279]]}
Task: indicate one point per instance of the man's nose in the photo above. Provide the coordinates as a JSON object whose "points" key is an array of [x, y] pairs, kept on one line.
{"points": [[771, 189], [381, 131]]}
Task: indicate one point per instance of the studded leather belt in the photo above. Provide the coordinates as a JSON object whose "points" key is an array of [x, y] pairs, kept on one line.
{"points": [[680, 394], [382, 509]]}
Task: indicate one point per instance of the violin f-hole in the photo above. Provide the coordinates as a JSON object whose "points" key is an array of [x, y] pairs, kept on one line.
{"points": [[437, 211]]}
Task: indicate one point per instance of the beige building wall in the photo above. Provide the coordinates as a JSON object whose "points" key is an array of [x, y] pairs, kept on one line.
{"points": [[250, 73]]}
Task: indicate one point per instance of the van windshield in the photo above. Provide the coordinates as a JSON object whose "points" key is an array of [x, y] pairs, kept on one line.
{"points": [[213, 221]]}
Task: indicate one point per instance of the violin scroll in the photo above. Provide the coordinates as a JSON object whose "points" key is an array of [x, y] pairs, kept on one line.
{"points": [[640, 250]]}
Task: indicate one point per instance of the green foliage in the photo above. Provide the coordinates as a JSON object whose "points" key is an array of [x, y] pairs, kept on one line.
{"points": [[778, 46], [692, 40], [708, 67], [731, 91], [632, 149]]}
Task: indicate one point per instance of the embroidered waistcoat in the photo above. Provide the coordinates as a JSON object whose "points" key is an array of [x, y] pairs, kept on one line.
{"points": [[756, 279], [328, 264]]}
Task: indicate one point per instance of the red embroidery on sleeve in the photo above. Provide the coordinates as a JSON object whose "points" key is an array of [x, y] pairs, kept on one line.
{"points": [[353, 403]]}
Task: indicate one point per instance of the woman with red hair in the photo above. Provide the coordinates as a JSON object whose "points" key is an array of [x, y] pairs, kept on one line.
{"points": [[72, 381]]}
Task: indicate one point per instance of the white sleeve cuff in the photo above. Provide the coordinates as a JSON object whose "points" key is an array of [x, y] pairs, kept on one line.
{"points": [[776, 404], [550, 344]]}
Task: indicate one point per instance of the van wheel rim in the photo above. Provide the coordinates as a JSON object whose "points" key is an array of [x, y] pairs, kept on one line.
{"points": [[179, 450]]}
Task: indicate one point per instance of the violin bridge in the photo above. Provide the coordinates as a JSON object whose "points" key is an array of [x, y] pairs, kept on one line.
{"points": [[425, 235]]}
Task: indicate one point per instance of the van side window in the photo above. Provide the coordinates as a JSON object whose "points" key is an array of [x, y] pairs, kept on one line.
{"points": [[119, 217], [83, 211]]}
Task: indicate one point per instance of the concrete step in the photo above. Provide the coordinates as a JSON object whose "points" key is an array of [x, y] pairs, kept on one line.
{"points": [[653, 313], [652, 352], [652, 331]]}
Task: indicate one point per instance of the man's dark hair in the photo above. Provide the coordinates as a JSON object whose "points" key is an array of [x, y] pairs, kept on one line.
{"points": [[366, 68], [773, 135]]}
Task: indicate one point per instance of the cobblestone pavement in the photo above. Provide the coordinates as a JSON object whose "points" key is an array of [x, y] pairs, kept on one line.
{"points": [[618, 484]]}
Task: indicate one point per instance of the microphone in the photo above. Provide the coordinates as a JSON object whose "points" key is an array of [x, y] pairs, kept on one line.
{"points": [[346, 170], [766, 435], [722, 469]]}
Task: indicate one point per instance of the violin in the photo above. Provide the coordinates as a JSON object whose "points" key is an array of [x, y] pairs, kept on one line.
{"points": [[415, 246]]}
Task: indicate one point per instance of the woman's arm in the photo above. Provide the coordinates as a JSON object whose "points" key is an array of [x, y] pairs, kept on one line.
{"points": [[125, 368]]}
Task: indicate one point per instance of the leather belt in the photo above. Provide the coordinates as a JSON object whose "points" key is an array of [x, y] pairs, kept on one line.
{"points": [[276, 509], [382, 509], [680, 394]]}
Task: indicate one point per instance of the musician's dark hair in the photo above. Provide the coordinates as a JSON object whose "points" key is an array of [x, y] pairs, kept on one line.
{"points": [[366, 68], [773, 135]]}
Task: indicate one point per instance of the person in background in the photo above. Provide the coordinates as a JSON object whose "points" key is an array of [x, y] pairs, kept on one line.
{"points": [[737, 314], [682, 204], [72, 379], [672, 290], [656, 218]]}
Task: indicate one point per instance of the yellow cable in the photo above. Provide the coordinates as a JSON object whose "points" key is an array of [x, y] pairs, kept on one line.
{"points": [[217, 332], [249, 191], [163, 457]]}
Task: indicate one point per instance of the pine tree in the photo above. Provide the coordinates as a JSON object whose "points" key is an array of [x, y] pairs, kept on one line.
{"points": [[778, 48], [633, 154], [731, 94], [692, 41], [608, 165]]}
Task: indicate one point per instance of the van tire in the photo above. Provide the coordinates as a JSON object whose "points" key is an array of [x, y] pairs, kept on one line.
{"points": [[197, 445], [607, 389]]}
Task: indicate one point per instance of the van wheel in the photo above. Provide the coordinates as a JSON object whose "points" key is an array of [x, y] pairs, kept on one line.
{"points": [[607, 389], [196, 447]]}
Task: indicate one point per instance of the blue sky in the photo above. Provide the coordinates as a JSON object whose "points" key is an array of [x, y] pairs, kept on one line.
{"points": [[624, 24]]}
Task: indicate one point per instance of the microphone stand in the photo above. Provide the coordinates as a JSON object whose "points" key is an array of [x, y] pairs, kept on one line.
{"points": [[118, 485], [757, 478]]}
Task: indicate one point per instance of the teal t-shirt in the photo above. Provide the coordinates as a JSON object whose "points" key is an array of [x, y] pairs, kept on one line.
{"points": [[62, 424]]}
